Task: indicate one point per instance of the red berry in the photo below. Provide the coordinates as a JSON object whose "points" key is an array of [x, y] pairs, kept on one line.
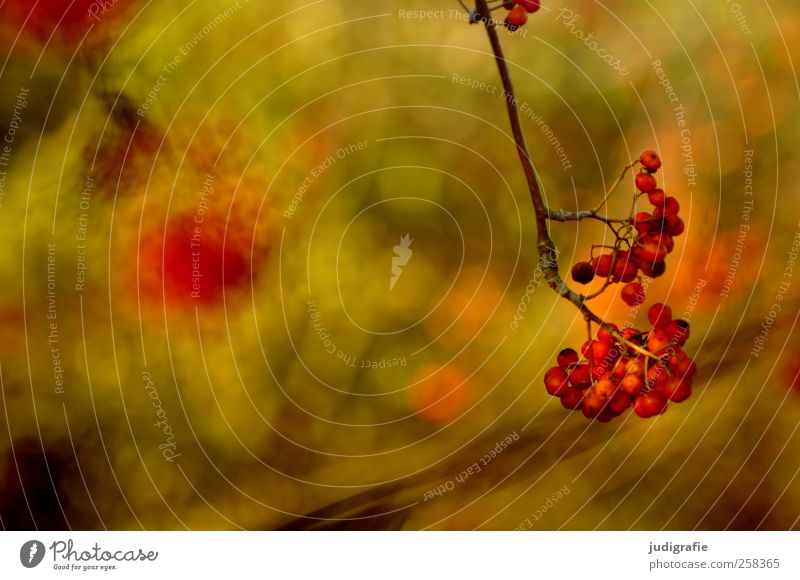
{"points": [[604, 334], [529, 5], [602, 265], [618, 403], [633, 294], [651, 248], [644, 222], [645, 182], [650, 404], [676, 389], [659, 314], [673, 225], [605, 388], [579, 377], [650, 160], [632, 385], [583, 272], [657, 197], [603, 350], [555, 381], [671, 206], [572, 399], [508, 4], [652, 269], [592, 404], [657, 340], [567, 357], [516, 18], [625, 269]]}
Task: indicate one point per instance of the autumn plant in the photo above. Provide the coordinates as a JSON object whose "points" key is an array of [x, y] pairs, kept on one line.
{"points": [[616, 368]]}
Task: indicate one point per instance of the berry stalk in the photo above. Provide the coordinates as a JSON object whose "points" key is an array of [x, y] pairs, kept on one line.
{"points": [[546, 248]]}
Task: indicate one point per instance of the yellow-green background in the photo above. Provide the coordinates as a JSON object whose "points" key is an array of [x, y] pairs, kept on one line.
{"points": [[273, 90]]}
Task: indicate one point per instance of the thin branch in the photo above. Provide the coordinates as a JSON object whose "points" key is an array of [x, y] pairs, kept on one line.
{"points": [[547, 251]]}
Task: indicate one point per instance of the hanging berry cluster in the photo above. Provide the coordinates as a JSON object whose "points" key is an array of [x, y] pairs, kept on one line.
{"points": [[518, 11], [646, 369], [642, 243]]}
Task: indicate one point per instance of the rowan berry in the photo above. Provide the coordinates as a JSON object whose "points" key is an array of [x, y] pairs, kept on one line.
{"points": [[650, 160], [659, 314], [529, 5], [657, 197], [516, 18], [580, 378], [555, 382], [633, 294], [572, 399], [650, 404], [632, 384], [567, 357], [604, 334], [645, 182], [602, 265], [583, 272]]}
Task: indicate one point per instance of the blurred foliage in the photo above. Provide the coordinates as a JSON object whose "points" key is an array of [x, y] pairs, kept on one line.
{"points": [[261, 381]]}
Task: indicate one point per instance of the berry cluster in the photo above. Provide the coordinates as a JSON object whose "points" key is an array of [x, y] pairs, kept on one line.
{"points": [[631, 367], [643, 245], [518, 12]]}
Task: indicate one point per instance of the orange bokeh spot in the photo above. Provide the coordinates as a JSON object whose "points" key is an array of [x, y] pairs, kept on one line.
{"points": [[439, 394]]}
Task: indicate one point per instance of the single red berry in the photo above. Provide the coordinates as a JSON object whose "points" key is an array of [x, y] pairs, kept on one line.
{"points": [[625, 269], [605, 388], [671, 206], [592, 404], [680, 363], [567, 357], [632, 385], [650, 160], [572, 399], [645, 182], [659, 314], [657, 197], [677, 331], [579, 377], [583, 272], [673, 225], [509, 4], [516, 18], [657, 340], [604, 334], [602, 350], [650, 404], [530, 5], [653, 269], [602, 265], [555, 381], [677, 389], [657, 375], [633, 294], [618, 403], [644, 222]]}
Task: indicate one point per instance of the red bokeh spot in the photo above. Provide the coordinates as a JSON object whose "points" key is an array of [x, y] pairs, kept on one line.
{"points": [[67, 20], [193, 264]]}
